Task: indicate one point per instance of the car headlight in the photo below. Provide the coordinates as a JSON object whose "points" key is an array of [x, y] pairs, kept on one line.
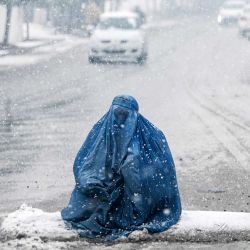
{"points": [[219, 19]]}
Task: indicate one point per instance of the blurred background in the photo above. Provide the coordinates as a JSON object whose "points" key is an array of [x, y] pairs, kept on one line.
{"points": [[74, 16]]}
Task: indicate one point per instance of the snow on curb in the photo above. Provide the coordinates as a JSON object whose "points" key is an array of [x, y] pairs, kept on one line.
{"points": [[28, 222], [36, 225], [203, 226]]}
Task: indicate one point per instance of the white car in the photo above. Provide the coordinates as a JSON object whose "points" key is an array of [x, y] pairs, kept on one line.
{"points": [[244, 21], [118, 37], [230, 12]]}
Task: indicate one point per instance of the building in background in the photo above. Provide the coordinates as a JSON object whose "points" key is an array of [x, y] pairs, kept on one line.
{"points": [[67, 15]]}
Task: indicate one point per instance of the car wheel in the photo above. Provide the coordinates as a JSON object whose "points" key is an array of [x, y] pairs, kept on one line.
{"points": [[142, 59], [92, 60]]}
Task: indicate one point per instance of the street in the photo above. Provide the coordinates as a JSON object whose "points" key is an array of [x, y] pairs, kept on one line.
{"points": [[195, 87]]}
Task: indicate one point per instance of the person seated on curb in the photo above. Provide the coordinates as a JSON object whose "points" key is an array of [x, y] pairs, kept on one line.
{"points": [[125, 177]]}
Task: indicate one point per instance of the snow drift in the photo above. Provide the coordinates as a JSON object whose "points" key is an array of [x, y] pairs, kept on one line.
{"points": [[29, 223]]}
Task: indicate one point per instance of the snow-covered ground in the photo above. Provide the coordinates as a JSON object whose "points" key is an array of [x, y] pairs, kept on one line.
{"points": [[32, 222], [29, 227], [44, 43]]}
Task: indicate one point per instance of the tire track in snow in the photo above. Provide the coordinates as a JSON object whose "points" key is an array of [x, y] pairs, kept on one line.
{"points": [[226, 115], [218, 123]]}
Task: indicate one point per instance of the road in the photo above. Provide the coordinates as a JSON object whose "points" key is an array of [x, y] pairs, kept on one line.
{"points": [[195, 87]]}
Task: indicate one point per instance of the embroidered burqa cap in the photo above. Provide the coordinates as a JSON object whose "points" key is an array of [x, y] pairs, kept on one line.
{"points": [[125, 177]]}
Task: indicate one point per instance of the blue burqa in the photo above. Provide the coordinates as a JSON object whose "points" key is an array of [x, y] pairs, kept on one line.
{"points": [[125, 177]]}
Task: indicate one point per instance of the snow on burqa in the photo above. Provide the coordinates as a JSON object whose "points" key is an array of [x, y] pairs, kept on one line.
{"points": [[125, 177]]}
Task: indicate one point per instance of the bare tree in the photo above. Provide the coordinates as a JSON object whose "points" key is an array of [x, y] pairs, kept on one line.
{"points": [[8, 4]]}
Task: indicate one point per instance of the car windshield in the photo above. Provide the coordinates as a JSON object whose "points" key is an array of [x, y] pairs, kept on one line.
{"points": [[118, 23]]}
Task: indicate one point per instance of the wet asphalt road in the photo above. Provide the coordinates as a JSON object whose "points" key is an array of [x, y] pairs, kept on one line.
{"points": [[195, 87]]}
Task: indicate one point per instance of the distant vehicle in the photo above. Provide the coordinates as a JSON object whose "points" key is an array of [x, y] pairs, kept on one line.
{"points": [[244, 22], [118, 37], [230, 12]]}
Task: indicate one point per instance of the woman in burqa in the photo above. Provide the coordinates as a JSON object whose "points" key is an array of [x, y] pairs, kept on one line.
{"points": [[125, 177]]}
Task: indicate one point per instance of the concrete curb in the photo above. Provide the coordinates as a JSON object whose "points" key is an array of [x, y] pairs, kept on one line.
{"points": [[194, 226]]}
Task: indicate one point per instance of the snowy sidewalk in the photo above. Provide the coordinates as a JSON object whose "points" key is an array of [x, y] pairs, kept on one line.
{"points": [[44, 43], [30, 226]]}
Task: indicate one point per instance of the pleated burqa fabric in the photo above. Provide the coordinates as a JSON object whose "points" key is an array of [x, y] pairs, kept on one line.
{"points": [[125, 177]]}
